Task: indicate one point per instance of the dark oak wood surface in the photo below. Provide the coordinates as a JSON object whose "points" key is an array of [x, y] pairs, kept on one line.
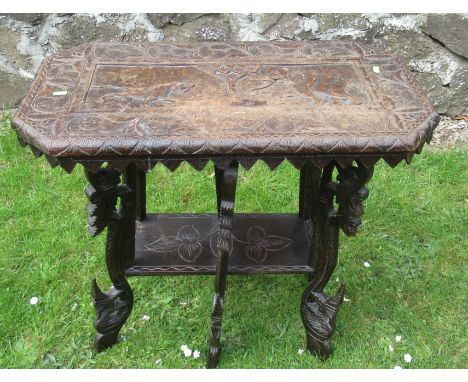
{"points": [[187, 244], [169, 102]]}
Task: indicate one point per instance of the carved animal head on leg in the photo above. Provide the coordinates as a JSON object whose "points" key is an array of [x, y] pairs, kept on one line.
{"points": [[319, 316]]}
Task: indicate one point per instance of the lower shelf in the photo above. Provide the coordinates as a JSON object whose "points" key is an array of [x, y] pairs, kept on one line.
{"points": [[176, 244]]}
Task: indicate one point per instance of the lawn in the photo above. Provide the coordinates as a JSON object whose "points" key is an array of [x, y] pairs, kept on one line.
{"points": [[413, 236]]}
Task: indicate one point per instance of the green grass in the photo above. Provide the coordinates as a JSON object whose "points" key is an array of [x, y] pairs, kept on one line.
{"points": [[414, 237]]}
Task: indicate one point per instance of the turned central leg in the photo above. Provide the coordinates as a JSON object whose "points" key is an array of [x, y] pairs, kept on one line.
{"points": [[226, 190]]}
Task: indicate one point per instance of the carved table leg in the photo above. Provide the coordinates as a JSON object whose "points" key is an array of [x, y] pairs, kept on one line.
{"points": [[219, 183], [114, 307], [308, 195], [308, 190], [226, 186], [318, 311], [140, 190]]}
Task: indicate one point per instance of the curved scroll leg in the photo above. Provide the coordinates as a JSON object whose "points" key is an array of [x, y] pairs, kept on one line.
{"points": [[318, 310], [114, 307], [226, 212]]}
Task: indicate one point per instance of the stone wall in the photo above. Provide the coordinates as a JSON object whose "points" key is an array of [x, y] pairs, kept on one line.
{"points": [[435, 46]]}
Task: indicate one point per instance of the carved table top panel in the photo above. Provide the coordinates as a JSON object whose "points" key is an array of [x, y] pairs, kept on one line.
{"points": [[167, 101]]}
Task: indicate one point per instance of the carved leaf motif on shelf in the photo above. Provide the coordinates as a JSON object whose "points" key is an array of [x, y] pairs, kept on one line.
{"points": [[186, 243], [259, 244]]}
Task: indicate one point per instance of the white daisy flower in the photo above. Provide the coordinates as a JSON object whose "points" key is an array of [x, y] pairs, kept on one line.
{"points": [[196, 354], [186, 350], [300, 351], [145, 318], [397, 338], [366, 264], [390, 348], [34, 300], [407, 357]]}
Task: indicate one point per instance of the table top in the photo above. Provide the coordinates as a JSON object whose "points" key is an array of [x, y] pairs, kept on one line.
{"points": [[150, 102]]}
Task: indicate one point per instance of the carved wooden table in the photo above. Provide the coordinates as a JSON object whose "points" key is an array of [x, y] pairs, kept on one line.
{"points": [[119, 109]]}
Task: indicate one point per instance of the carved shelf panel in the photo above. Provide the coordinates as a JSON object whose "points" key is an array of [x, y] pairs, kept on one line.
{"points": [[186, 244]]}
